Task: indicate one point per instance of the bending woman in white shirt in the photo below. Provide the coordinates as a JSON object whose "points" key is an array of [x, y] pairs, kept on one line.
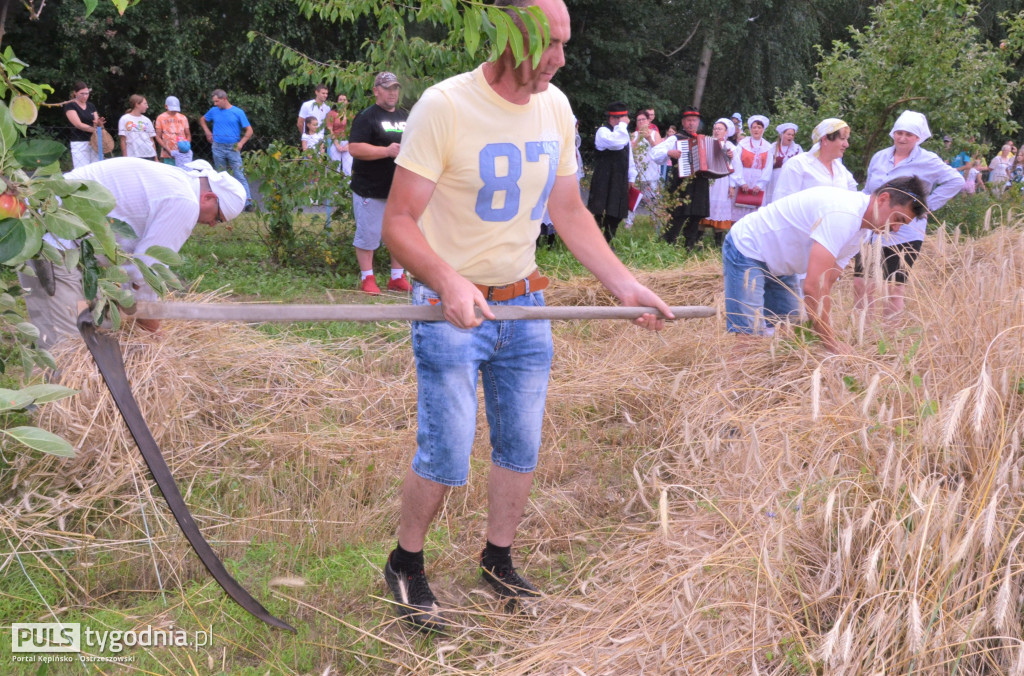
{"points": [[899, 250], [822, 165]]}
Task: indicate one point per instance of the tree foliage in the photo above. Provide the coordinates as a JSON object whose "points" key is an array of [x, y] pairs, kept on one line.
{"points": [[924, 55], [421, 43]]}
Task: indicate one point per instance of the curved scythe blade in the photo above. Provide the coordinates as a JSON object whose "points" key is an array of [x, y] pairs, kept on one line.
{"points": [[106, 352]]}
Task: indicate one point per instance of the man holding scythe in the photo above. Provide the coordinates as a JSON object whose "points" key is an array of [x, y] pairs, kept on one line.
{"points": [[483, 154]]}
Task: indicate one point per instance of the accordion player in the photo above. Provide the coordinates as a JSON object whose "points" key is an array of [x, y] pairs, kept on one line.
{"points": [[701, 155]]}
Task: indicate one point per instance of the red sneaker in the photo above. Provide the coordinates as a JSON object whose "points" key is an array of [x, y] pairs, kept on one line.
{"points": [[369, 286], [401, 284]]}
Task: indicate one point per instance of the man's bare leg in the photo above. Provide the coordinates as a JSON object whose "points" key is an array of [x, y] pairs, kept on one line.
{"points": [[365, 258], [896, 300], [507, 493], [861, 298], [421, 498]]}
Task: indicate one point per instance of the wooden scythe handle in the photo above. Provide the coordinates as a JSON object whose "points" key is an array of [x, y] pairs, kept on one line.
{"points": [[269, 312]]}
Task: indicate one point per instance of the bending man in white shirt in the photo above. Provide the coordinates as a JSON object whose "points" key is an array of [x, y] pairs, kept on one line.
{"points": [[161, 203], [814, 232]]}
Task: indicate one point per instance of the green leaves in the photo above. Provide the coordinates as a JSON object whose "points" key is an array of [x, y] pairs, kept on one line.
{"points": [[164, 255], [41, 440], [472, 26], [36, 153], [42, 394], [925, 55], [12, 238], [91, 201]]}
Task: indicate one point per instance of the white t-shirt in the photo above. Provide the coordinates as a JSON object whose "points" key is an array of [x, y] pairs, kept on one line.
{"points": [[311, 109], [138, 132], [313, 141], [492, 180], [782, 233]]}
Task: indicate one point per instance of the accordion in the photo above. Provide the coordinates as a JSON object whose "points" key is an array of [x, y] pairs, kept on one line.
{"points": [[702, 156]]}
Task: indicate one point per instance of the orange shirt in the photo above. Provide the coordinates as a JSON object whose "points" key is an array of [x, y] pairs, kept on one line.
{"points": [[171, 128]]}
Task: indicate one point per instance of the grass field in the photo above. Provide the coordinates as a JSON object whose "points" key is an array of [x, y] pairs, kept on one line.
{"points": [[701, 507]]}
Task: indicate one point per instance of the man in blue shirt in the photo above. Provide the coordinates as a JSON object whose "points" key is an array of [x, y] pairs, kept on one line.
{"points": [[231, 131]]}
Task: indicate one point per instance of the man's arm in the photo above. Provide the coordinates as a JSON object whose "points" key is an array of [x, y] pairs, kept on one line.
{"points": [[822, 273], [579, 231], [160, 137], [664, 151], [245, 138], [368, 151], [206, 129], [409, 195], [300, 122]]}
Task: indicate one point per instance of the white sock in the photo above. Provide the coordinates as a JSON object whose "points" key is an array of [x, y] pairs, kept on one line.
{"points": [[365, 273], [396, 273]]}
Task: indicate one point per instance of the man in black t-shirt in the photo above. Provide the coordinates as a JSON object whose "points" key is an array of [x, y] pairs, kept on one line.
{"points": [[373, 142]]}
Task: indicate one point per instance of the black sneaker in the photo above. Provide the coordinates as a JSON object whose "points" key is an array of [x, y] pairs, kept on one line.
{"points": [[416, 603], [508, 583]]}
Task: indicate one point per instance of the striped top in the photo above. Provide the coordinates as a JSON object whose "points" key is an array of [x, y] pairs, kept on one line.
{"points": [[159, 202]]}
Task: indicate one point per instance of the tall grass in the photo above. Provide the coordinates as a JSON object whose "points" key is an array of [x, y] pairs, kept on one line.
{"points": [[702, 506]]}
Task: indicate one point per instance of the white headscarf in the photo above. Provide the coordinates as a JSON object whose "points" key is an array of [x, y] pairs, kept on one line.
{"points": [[730, 126], [913, 122], [825, 127], [786, 126]]}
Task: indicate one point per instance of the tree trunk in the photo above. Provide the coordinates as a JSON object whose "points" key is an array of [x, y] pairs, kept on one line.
{"points": [[702, 71]]}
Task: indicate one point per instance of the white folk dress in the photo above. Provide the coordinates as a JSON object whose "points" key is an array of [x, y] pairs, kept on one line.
{"points": [[755, 170]]}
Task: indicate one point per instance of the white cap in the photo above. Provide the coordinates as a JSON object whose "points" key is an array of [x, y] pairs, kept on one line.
{"points": [[730, 126], [227, 188], [172, 103]]}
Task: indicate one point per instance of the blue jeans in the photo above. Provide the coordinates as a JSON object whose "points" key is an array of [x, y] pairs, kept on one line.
{"points": [[514, 358], [225, 156], [754, 297]]}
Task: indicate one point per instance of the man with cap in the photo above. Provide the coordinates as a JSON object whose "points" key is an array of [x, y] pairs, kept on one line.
{"points": [[373, 142], [162, 205], [171, 129], [614, 171], [694, 199], [231, 131]]}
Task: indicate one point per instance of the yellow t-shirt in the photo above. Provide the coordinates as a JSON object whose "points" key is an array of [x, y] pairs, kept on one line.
{"points": [[494, 164]]}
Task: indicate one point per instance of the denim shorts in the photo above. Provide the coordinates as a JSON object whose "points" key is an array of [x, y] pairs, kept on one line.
{"points": [[754, 297], [369, 214], [514, 358]]}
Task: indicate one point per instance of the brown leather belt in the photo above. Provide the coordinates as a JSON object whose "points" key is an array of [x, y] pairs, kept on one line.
{"points": [[535, 282]]}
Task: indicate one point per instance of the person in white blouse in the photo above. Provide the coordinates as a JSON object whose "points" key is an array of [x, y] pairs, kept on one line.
{"points": [[784, 149], [752, 177], [999, 169], [648, 178], [899, 250], [161, 203], [722, 191], [822, 165]]}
